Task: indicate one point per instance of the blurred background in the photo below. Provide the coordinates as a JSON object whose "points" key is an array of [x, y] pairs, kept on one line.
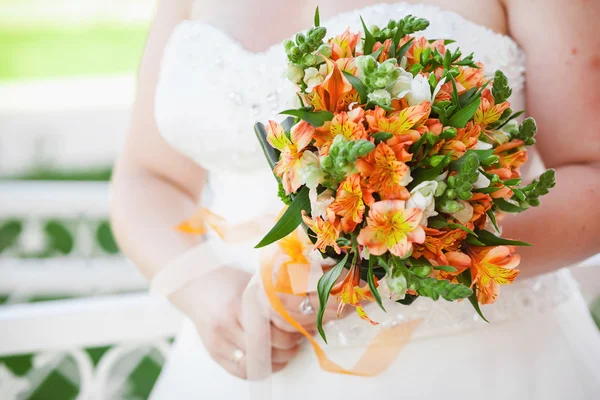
{"points": [[75, 321]]}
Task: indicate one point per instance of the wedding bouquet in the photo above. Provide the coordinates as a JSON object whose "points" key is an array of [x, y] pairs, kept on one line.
{"points": [[400, 164]]}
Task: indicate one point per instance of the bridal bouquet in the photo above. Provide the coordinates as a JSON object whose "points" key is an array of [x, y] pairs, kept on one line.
{"points": [[400, 164]]}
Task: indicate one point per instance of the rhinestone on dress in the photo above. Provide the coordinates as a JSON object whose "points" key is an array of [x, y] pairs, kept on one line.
{"points": [[305, 307]]}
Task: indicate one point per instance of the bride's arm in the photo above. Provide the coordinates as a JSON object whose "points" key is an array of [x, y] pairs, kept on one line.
{"points": [[154, 187], [562, 44]]}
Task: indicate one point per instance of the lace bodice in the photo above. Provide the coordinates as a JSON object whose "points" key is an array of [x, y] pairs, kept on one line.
{"points": [[211, 92]]}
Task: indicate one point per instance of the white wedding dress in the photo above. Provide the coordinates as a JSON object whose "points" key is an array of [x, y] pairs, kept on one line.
{"points": [[541, 342]]}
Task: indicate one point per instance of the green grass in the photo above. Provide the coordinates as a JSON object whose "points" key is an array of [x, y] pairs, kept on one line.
{"points": [[47, 52]]}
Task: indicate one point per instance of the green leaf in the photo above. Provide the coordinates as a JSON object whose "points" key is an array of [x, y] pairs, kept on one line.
{"points": [[403, 49], [462, 227], [465, 98], [384, 264], [371, 282], [473, 241], [487, 190], [324, 288], [500, 90], [369, 39], [377, 53], [447, 268], [315, 118], [513, 116], [465, 279], [9, 233], [508, 207], [461, 117], [382, 136], [429, 174], [289, 220], [489, 239], [434, 288], [317, 17], [512, 182], [455, 99], [436, 223], [492, 218], [358, 85], [446, 41]]}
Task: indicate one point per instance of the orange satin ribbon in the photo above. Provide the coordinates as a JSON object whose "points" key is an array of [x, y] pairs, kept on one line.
{"points": [[383, 348]]}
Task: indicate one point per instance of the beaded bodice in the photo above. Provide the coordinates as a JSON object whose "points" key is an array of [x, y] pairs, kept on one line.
{"points": [[212, 91]]}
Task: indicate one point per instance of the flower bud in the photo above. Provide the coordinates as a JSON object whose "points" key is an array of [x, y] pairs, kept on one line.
{"points": [[450, 207], [309, 59], [374, 29], [422, 271], [295, 74], [451, 194], [387, 32], [300, 38], [325, 50], [381, 82], [448, 133], [440, 189], [319, 33], [304, 47], [288, 44], [436, 160], [294, 52], [391, 24]]}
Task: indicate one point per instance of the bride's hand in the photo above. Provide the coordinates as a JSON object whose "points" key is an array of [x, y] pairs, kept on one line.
{"points": [[218, 320]]}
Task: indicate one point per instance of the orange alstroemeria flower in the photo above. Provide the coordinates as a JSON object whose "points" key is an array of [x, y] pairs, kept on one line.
{"points": [[407, 124], [512, 156], [466, 139], [491, 267], [291, 151], [344, 45], [350, 202], [413, 55], [481, 203], [470, 77], [488, 111], [349, 124], [459, 260], [391, 227], [437, 243], [350, 292], [328, 94], [327, 232], [384, 173], [385, 53]]}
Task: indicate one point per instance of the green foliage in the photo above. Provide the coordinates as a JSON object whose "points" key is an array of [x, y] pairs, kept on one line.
{"points": [[464, 115], [315, 118], [324, 287], [285, 198], [358, 85], [290, 220], [527, 131], [271, 153], [105, 238], [371, 281], [460, 186], [301, 50], [341, 160], [396, 30], [486, 238], [465, 279], [61, 239], [436, 288], [317, 18], [9, 233], [501, 91]]}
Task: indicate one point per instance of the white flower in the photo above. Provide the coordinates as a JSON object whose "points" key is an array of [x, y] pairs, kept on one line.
{"points": [[421, 197], [403, 85], [393, 288], [381, 97], [465, 214], [406, 179], [310, 170], [314, 77], [481, 182], [482, 145], [295, 74], [320, 202], [420, 90]]}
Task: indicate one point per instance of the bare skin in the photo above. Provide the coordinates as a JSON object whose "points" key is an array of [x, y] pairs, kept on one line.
{"points": [[155, 187]]}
